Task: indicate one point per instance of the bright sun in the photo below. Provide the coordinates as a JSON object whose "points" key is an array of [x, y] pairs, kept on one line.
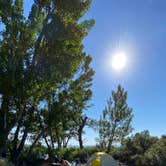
{"points": [[119, 61]]}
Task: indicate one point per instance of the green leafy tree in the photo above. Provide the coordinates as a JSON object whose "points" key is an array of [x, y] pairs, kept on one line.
{"points": [[65, 110], [37, 55], [135, 149], [80, 90], [156, 154], [115, 122], [16, 78]]}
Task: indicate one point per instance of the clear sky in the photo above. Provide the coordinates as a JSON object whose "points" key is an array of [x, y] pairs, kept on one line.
{"points": [[137, 27]]}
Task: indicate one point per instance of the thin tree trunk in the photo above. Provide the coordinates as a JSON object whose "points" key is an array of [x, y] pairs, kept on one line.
{"points": [[80, 130], [111, 138], [51, 138], [80, 138], [34, 143], [16, 153], [14, 142], [21, 146], [66, 141], [3, 125], [50, 152]]}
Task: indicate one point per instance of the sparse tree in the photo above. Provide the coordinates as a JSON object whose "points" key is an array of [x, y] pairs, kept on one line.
{"points": [[115, 122]]}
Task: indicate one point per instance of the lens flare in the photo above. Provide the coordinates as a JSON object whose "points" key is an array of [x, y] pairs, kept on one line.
{"points": [[119, 61]]}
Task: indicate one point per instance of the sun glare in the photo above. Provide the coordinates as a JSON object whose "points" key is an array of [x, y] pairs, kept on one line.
{"points": [[119, 61]]}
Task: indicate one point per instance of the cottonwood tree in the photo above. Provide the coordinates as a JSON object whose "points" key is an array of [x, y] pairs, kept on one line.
{"points": [[18, 77], [36, 55], [82, 93], [115, 121], [65, 113]]}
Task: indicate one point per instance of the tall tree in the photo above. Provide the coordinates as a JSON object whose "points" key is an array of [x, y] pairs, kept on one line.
{"points": [[115, 122], [67, 106], [16, 78], [80, 90], [37, 55]]}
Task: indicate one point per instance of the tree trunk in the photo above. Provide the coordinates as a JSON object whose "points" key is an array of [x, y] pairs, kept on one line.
{"points": [[80, 130], [4, 130], [110, 141], [16, 152], [59, 142], [49, 149], [34, 143], [109, 146], [80, 139], [15, 140], [66, 141], [3, 138]]}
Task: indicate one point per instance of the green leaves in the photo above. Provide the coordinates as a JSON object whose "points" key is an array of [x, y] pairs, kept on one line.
{"points": [[115, 122], [156, 154], [42, 61], [142, 149], [87, 25], [71, 10]]}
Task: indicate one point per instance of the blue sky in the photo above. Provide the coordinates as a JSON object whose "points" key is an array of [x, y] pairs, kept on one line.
{"points": [[137, 27]]}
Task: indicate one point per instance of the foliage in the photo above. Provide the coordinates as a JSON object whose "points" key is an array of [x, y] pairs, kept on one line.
{"points": [[141, 149], [42, 62], [156, 154], [72, 154], [115, 122], [45, 87]]}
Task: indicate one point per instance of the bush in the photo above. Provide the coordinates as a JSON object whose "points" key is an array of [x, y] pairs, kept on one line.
{"points": [[156, 155], [84, 154], [65, 153], [37, 153], [142, 150], [72, 154]]}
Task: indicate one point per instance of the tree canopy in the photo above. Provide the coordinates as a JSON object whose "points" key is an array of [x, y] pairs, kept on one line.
{"points": [[42, 62]]}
